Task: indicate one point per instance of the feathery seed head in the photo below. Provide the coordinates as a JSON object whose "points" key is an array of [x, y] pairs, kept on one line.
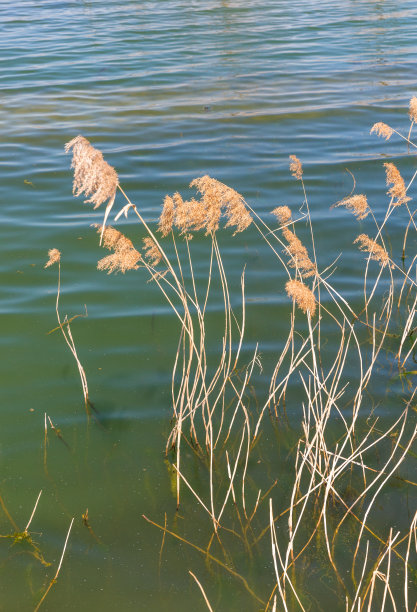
{"points": [[382, 129], [296, 168], [125, 256], [282, 213], [303, 296], [375, 250], [92, 175], [413, 109], [152, 251], [216, 197], [54, 256], [299, 254], [166, 219], [358, 204], [397, 190]]}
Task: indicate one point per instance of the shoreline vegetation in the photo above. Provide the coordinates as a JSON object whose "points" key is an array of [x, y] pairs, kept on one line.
{"points": [[342, 461]]}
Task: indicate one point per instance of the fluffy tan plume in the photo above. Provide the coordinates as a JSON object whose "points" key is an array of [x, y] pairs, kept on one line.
{"points": [[282, 213], [303, 296], [382, 129], [413, 109], [299, 254], [125, 256], [54, 256], [296, 168], [358, 204], [375, 250], [397, 191], [92, 175]]}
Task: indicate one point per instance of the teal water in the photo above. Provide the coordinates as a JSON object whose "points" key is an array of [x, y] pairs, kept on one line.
{"points": [[168, 90]]}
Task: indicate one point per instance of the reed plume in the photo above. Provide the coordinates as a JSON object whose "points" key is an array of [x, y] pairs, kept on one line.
{"points": [[217, 198], [125, 256], [166, 220], [382, 129], [54, 256], [358, 204], [303, 296], [92, 175], [375, 250], [296, 168], [152, 251], [413, 109], [299, 254], [282, 213], [397, 190]]}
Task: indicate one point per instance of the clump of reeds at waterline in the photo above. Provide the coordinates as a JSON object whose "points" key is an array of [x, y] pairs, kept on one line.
{"points": [[213, 408]]}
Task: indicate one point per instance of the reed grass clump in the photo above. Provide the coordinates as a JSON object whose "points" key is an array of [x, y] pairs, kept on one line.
{"points": [[221, 408]]}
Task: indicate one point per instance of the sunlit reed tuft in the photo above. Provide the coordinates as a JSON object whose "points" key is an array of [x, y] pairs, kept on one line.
{"points": [[358, 204], [125, 256], [382, 129], [92, 175], [299, 254], [296, 168], [282, 213], [413, 109], [303, 296], [397, 190], [166, 220], [54, 256], [218, 198], [375, 250], [152, 251]]}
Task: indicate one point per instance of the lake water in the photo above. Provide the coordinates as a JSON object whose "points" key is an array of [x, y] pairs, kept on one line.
{"points": [[168, 90]]}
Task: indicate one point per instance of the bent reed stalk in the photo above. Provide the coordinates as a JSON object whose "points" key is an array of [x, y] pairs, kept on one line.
{"points": [[337, 483]]}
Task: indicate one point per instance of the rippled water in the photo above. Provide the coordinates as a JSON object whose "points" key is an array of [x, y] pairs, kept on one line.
{"points": [[168, 90]]}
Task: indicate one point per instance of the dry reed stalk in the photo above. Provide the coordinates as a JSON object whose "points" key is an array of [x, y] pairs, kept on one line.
{"points": [[55, 578], [412, 532], [33, 511], [407, 333], [357, 204], [397, 191], [55, 257], [152, 252], [277, 554], [202, 590], [302, 295]]}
